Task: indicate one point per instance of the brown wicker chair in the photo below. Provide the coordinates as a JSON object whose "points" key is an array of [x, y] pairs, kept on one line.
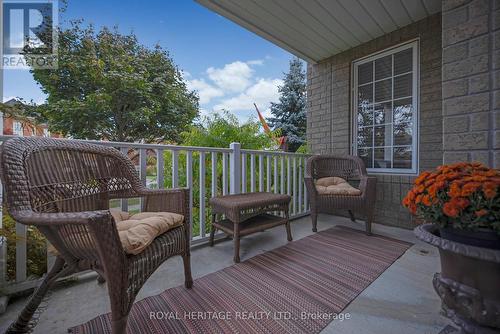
{"points": [[63, 187], [350, 168]]}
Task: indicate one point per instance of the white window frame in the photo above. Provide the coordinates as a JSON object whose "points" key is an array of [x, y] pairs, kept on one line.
{"points": [[414, 45], [19, 125]]}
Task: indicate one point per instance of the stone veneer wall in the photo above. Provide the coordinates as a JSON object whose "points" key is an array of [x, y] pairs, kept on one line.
{"points": [[471, 81], [329, 115]]}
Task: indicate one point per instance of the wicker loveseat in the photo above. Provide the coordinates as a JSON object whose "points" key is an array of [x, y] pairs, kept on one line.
{"points": [[349, 168], [63, 187]]}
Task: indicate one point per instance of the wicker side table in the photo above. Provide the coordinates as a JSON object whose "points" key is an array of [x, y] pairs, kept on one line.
{"points": [[248, 213]]}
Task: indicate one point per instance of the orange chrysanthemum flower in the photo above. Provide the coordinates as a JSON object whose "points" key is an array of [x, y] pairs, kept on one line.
{"points": [[451, 210], [469, 188], [489, 190]]}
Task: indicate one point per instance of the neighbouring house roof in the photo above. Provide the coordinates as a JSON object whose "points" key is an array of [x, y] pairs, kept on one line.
{"points": [[318, 29]]}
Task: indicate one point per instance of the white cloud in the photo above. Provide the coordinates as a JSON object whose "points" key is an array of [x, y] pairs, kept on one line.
{"points": [[205, 90], [255, 62], [233, 77], [262, 93]]}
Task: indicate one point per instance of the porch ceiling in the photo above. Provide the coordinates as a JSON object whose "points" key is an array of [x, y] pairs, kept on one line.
{"points": [[317, 29]]}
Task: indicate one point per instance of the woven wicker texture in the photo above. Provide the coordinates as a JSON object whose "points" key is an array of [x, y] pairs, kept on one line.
{"points": [[63, 187], [353, 170]]}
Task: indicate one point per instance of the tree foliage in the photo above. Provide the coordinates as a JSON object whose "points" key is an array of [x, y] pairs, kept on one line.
{"points": [[108, 86], [289, 114], [221, 130]]}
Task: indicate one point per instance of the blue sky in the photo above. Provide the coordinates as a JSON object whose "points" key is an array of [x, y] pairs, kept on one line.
{"points": [[229, 66]]}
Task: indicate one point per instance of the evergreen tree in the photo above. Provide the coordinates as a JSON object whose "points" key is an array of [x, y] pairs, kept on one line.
{"points": [[289, 114]]}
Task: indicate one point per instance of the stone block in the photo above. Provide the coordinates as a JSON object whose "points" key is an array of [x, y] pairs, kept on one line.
{"points": [[454, 88], [480, 121], [465, 67], [466, 104], [456, 124], [479, 83], [456, 52], [454, 18], [451, 157], [466, 141], [479, 45], [474, 27], [478, 8], [481, 156], [496, 143]]}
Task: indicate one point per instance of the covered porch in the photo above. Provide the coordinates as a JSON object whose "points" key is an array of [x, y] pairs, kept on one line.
{"points": [[401, 300]]}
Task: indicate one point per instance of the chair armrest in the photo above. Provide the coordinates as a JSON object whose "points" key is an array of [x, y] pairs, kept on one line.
{"points": [[311, 188], [368, 186], [167, 200], [79, 235], [29, 217]]}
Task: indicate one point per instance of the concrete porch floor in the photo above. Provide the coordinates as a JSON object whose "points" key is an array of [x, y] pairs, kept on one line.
{"points": [[401, 300]]}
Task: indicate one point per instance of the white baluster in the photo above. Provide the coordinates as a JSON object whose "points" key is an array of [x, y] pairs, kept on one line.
{"points": [[243, 173], [175, 169], [261, 172], [214, 174], [202, 194], [275, 181], [189, 183], [252, 172], [224, 173], [160, 165]]}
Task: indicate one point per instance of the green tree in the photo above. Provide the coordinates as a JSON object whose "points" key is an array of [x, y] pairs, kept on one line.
{"points": [[222, 130], [108, 86], [289, 114]]}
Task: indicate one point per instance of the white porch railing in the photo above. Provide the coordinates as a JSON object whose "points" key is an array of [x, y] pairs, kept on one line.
{"points": [[206, 171]]}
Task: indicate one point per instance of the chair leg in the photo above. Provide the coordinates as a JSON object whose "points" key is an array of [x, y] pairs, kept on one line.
{"points": [[100, 279], [22, 323], [212, 231], [369, 220], [188, 279], [119, 326], [314, 219], [351, 215]]}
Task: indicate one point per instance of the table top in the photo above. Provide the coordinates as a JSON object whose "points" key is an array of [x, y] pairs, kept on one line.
{"points": [[249, 200]]}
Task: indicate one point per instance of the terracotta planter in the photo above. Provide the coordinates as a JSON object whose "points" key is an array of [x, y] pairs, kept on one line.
{"points": [[469, 282]]}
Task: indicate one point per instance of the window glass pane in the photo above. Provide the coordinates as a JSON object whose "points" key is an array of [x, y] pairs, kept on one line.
{"points": [[382, 157], [366, 156], [365, 73], [383, 135], [403, 110], [383, 67], [402, 86], [365, 94], [403, 134], [383, 90], [383, 113], [384, 110], [365, 137], [365, 115], [403, 61], [402, 157]]}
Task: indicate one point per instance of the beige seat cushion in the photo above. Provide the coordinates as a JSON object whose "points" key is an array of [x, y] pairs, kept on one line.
{"points": [[138, 231], [335, 186]]}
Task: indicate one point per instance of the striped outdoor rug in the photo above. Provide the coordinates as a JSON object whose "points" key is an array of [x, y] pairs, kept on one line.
{"points": [[297, 288]]}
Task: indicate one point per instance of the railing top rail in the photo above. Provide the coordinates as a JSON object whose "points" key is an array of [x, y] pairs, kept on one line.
{"points": [[176, 147], [262, 152], [145, 146]]}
